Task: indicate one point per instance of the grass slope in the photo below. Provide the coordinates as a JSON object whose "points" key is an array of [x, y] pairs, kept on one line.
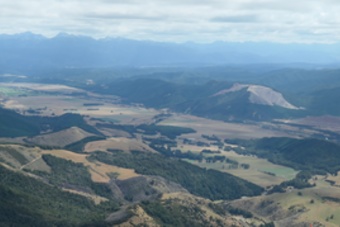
{"points": [[25, 201], [210, 184]]}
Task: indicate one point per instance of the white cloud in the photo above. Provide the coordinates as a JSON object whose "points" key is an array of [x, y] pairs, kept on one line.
{"points": [[178, 20]]}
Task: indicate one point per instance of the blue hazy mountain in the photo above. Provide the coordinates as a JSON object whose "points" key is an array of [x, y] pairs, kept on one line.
{"points": [[28, 50]]}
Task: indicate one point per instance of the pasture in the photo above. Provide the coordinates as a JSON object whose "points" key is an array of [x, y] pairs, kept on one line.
{"points": [[224, 130], [312, 200], [12, 92], [50, 105], [260, 171]]}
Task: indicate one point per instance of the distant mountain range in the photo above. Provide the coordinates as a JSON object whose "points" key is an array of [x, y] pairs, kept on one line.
{"points": [[26, 51]]}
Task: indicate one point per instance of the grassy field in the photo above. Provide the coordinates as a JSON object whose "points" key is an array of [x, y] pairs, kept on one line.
{"points": [[223, 130], [61, 138], [257, 173], [261, 171], [49, 105], [336, 179], [316, 208], [10, 92], [307, 206], [41, 87]]}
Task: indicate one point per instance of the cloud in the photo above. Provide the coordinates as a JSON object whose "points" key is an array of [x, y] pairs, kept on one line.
{"points": [[120, 16], [236, 19], [178, 20]]}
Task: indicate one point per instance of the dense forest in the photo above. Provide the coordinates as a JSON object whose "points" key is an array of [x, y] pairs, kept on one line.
{"points": [[13, 124]]}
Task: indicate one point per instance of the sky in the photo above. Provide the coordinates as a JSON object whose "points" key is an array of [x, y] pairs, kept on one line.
{"points": [[284, 21]]}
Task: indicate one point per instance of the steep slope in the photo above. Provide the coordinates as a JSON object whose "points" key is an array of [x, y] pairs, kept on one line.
{"points": [[260, 95]]}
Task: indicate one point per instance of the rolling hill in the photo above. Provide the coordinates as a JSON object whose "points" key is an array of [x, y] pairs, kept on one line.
{"points": [[216, 100]]}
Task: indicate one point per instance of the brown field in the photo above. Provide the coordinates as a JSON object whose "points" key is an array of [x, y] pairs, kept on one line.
{"points": [[223, 130], [61, 138], [326, 122], [99, 171], [49, 105], [121, 143]]}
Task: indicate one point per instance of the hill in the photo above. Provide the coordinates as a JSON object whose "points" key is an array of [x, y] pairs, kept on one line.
{"points": [[216, 185], [217, 100], [260, 95], [26, 201], [61, 138], [25, 192]]}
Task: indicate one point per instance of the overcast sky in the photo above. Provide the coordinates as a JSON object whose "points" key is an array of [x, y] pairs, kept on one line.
{"points": [[177, 20]]}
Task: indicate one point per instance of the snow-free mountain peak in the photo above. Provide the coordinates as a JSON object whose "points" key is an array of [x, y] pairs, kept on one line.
{"points": [[260, 95]]}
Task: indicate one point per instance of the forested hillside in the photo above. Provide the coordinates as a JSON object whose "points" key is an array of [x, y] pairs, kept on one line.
{"points": [[13, 124]]}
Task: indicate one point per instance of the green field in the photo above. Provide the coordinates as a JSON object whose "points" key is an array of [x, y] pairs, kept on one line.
{"points": [[12, 92], [316, 208], [261, 171]]}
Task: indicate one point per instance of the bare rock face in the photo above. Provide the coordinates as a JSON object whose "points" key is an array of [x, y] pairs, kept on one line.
{"points": [[267, 96], [260, 95]]}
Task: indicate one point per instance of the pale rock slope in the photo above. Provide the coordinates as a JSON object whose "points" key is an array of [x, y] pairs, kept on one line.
{"points": [[261, 95]]}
